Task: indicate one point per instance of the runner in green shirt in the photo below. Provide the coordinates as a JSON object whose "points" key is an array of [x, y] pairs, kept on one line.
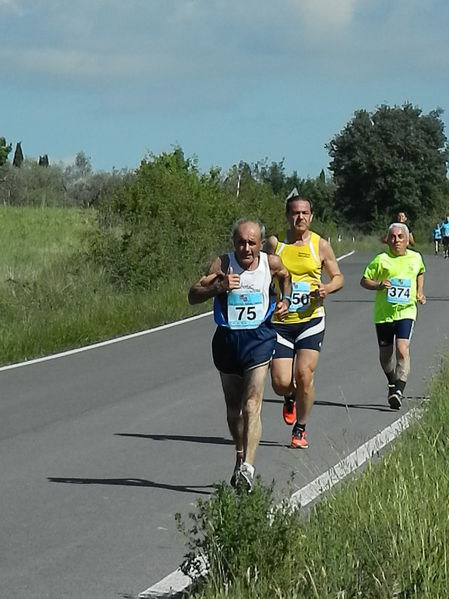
{"points": [[397, 277]]}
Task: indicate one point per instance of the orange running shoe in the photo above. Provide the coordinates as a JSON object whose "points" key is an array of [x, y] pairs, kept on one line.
{"points": [[299, 439], [289, 410]]}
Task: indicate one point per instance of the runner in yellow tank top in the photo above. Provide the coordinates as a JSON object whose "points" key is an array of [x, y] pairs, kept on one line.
{"points": [[300, 335], [304, 265]]}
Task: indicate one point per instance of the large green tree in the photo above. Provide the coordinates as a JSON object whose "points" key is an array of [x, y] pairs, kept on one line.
{"points": [[394, 158]]}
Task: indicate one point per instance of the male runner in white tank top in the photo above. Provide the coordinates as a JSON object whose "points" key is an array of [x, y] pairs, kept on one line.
{"points": [[243, 344]]}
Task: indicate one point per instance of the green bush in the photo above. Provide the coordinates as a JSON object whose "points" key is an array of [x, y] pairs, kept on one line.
{"points": [[170, 221]]}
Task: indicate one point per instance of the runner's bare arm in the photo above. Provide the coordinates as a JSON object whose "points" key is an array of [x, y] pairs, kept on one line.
{"points": [[373, 284], [332, 270], [279, 272], [420, 289], [270, 244], [212, 284]]}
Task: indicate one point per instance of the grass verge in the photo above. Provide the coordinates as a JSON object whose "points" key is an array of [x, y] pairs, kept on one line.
{"points": [[384, 535], [53, 299]]}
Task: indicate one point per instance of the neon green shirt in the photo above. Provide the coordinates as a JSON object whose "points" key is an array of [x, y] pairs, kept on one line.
{"points": [[399, 302]]}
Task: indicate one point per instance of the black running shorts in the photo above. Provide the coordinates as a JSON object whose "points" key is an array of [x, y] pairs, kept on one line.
{"points": [[294, 337], [235, 351], [387, 331]]}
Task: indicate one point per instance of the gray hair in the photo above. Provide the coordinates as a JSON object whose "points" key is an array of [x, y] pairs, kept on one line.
{"points": [[242, 221], [402, 226]]}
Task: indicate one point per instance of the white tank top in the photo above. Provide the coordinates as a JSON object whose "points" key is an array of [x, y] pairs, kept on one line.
{"points": [[249, 305]]}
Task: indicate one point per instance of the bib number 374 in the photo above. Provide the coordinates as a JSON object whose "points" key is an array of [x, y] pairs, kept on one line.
{"points": [[399, 292]]}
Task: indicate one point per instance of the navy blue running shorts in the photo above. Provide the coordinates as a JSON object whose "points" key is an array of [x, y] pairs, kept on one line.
{"points": [[291, 338], [387, 331], [235, 351]]}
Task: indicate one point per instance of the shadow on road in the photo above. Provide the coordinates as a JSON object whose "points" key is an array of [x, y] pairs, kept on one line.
{"points": [[357, 406], [133, 482], [190, 439], [378, 407]]}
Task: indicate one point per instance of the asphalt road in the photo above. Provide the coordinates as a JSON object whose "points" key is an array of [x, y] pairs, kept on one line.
{"points": [[100, 449]]}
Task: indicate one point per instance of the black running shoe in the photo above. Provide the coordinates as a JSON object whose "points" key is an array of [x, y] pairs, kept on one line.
{"points": [[235, 478], [395, 400]]}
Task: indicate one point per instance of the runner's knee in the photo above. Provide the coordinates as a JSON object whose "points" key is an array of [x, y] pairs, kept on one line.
{"points": [[253, 405], [402, 351], [304, 377], [281, 382]]}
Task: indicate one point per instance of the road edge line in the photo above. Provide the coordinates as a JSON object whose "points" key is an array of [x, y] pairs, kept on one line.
{"points": [[78, 350], [177, 582], [353, 461]]}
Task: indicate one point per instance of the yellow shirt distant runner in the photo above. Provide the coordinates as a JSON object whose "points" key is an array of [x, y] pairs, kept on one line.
{"points": [[304, 265]]}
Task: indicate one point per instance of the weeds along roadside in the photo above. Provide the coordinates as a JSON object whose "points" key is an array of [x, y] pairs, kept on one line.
{"points": [[385, 534], [53, 298]]}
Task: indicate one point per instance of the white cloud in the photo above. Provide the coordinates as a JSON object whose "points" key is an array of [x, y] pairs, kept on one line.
{"points": [[210, 50], [325, 16]]}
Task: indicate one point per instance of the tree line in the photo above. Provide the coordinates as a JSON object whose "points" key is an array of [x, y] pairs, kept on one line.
{"points": [[167, 214], [30, 182]]}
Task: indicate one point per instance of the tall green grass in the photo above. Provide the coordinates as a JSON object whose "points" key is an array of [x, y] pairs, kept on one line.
{"points": [[384, 535], [53, 298]]}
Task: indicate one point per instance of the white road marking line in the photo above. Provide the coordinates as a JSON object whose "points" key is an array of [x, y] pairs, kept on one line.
{"points": [[78, 350], [345, 256], [170, 586], [353, 461], [177, 582]]}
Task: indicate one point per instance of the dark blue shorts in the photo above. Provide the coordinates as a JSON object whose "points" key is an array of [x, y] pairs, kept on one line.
{"points": [[387, 331], [293, 337], [235, 351]]}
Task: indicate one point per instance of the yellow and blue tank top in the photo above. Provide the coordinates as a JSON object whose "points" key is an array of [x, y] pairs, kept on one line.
{"points": [[304, 265]]}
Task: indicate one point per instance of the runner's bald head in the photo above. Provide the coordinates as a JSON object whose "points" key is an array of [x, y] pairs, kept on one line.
{"points": [[242, 221]]}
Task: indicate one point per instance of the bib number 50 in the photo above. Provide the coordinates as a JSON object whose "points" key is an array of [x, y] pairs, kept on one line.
{"points": [[300, 296]]}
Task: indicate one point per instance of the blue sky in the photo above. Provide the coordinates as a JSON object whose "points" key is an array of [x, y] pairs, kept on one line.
{"points": [[227, 80]]}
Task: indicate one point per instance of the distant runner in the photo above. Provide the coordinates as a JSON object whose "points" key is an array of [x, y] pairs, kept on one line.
{"points": [[397, 277], [445, 236], [301, 333], [401, 217], [437, 237], [243, 343]]}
